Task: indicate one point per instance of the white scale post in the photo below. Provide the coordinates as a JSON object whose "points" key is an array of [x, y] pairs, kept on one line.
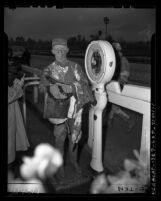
{"points": [[100, 66]]}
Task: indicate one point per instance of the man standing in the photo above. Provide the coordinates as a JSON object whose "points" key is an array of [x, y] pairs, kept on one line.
{"points": [[66, 92], [26, 56], [122, 77]]}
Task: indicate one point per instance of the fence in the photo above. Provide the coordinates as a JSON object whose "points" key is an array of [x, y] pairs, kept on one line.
{"points": [[31, 81], [136, 98]]}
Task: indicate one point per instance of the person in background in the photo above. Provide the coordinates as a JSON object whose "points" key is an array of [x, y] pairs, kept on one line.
{"points": [[26, 56], [17, 138], [66, 93], [10, 54], [122, 75]]}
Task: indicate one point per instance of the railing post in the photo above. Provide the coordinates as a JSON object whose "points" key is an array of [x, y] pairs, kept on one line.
{"points": [[35, 83], [24, 104], [35, 91], [145, 139]]}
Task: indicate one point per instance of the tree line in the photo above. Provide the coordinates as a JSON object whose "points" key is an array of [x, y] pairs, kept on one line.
{"points": [[80, 43]]}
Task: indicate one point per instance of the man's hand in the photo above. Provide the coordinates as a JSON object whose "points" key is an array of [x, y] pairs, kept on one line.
{"points": [[18, 82], [22, 81], [76, 136], [123, 80]]}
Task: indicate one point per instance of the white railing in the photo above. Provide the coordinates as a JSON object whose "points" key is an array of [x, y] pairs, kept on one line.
{"points": [[136, 98], [31, 81]]}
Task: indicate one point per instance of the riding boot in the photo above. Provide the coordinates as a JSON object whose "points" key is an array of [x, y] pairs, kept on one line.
{"points": [[59, 144], [73, 152]]}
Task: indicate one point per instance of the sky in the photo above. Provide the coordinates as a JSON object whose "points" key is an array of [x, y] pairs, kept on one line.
{"points": [[130, 24]]}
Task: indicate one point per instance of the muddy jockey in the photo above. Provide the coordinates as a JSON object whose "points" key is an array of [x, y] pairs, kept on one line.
{"points": [[66, 91]]}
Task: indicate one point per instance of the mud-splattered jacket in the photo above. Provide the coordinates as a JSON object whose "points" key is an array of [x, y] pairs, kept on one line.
{"points": [[66, 82]]}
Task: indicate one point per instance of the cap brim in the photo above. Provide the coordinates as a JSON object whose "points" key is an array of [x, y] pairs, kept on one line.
{"points": [[60, 46]]}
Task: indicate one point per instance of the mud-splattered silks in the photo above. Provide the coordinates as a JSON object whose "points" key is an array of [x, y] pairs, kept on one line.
{"points": [[67, 92]]}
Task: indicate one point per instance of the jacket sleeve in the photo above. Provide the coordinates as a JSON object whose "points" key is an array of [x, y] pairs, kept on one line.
{"points": [[80, 75], [84, 91]]}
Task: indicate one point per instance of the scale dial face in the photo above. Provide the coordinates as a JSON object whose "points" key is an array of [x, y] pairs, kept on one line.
{"points": [[99, 61], [95, 62]]}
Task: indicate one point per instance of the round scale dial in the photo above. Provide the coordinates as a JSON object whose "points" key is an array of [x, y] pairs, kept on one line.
{"points": [[99, 61]]}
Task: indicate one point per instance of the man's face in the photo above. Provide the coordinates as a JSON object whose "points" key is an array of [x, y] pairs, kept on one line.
{"points": [[60, 52]]}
